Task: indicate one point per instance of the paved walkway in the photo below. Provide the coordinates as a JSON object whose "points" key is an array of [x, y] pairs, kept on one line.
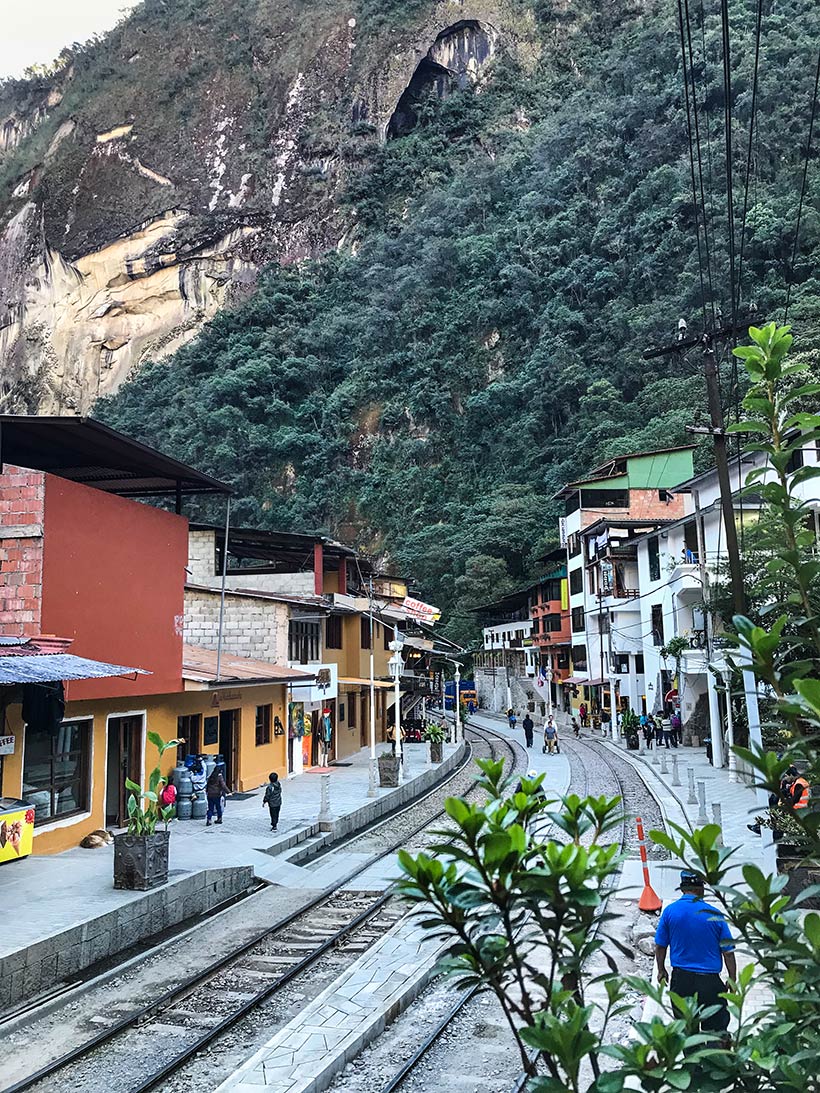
{"points": [[344, 1018], [51, 893]]}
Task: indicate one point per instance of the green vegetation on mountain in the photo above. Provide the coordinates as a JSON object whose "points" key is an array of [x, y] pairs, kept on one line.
{"points": [[428, 389]]}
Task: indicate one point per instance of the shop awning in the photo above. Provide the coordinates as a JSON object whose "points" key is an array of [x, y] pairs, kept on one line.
{"points": [[377, 683], [54, 667], [582, 681], [199, 667]]}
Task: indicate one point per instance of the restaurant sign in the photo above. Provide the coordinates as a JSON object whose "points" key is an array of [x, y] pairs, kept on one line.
{"points": [[6, 745]]}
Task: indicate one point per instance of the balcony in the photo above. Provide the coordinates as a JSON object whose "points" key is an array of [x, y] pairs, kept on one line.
{"points": [[685, 576]]}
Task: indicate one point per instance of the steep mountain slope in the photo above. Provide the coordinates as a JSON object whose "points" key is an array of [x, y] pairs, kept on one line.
{"points": [[507, 253], [147, 181]]}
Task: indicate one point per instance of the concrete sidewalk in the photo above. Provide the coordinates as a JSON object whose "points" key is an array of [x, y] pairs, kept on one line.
{"points": [[49, 894]]}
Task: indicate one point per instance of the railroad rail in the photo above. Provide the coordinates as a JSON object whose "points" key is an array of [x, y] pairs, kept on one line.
{"points": [[249, 975]]}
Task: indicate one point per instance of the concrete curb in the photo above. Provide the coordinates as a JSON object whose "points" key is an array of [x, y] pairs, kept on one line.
{"points": [[377, 809]]}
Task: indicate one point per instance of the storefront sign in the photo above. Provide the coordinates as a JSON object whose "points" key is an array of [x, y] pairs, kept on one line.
{"points": [[423, 612], [6, 745], [320, 690]]}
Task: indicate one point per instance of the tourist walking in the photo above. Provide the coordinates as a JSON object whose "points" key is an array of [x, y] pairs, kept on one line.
{"points": [[273, 799], [675, 726], [215, 789], [528, 725], [511, 718], [665, 732], [648, 728], [699, 942], [550, 736], [582, 713], [576, 728]]}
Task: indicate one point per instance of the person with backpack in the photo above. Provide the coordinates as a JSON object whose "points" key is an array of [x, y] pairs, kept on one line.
{"points": [[273, 799], [550, 736], [511, 718], [215, 789]]}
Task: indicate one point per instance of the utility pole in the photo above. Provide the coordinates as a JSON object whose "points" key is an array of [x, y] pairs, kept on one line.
{"points": [[372, 791], [717, 431]]}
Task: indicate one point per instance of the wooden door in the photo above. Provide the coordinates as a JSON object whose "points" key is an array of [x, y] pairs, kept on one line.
{"points": [[229, 745], [123, 760]]}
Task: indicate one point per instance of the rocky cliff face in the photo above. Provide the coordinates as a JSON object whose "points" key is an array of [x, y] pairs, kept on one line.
{"points": [[143, 187]]}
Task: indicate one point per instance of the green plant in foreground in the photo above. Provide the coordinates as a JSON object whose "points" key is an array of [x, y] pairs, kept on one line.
{"points": [[144, 817], [524, 912]]}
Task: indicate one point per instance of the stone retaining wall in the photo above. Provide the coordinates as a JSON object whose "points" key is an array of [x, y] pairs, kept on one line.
{"points": [[38, 967]]}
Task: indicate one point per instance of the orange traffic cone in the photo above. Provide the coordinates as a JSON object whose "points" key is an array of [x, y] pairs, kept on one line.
{"points": [[650, 900]]}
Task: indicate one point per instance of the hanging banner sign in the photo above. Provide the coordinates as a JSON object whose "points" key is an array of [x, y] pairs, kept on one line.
{"points": [[422, 612]]}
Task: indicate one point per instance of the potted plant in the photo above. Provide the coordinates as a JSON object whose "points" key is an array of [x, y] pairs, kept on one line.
{"points": [[434, 735], [141, 853]]}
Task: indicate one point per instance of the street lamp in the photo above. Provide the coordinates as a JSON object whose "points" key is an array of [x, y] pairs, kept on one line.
{"points": [[549, 676], [613, 721], [396, 664], [457, 730], [506, 642]]}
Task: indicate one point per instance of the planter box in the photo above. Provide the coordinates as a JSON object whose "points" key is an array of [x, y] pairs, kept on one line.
{"points": [[141, 861], [388, 771], [800, 876], [436, 751]]}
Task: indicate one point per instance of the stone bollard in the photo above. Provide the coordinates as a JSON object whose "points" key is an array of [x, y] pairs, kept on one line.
{"points": [[675, 771], [717, 818], [692, 799], [702, 817], [428, 756], [655, 759], [664, 767], [325, 815], [641, 744]]}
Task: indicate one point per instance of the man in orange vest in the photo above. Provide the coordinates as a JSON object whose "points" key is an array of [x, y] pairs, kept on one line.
{"points": [[797, 789]]}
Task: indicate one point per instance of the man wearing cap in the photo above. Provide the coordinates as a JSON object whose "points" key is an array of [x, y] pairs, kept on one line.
{"points": [[698, 938]]}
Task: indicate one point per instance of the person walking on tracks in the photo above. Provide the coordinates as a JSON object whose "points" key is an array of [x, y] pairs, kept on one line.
{"points": [[550, 736], [699, 941], [215, 789], [273, 799], [528, 725], [511, 718]]}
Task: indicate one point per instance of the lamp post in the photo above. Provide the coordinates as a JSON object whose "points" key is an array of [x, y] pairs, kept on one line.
{"points": [[457, 730], [373, 782], [549, 686], [613, 721], [396, 664], [507, 671]]}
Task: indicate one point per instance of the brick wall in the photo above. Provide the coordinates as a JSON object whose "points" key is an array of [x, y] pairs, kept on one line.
{"points": [[643, 505], [252, 627], [201, 557], [22, 510]]}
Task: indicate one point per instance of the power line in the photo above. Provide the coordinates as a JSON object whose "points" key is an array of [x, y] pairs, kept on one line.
{"points": [[752, 134], [730, 204], [695, 204], [802, 190]]}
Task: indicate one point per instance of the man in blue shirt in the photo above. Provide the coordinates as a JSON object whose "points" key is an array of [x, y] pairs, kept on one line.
{"points": [[699, 941]]}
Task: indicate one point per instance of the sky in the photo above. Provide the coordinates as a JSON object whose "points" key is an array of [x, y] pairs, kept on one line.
{"points": [[34, 31]]}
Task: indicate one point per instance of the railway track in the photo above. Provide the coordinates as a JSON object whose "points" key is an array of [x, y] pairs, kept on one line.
{"points": [[593, 771], [188, 1019]]}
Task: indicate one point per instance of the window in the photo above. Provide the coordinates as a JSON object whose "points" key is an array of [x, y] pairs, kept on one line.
{"points": [[387, 636], [263, 721], [796, 460], [605, 499], [56, 770], [333, 632], [551, 590], [577, 618], [574, 545], [351, 709], [304, 639], [579, 658], [365, 626], [657, 624], [576, 582], [639, 663], [654, 547], [552, 623], [572, 503], [665, 496], [188, 729]]}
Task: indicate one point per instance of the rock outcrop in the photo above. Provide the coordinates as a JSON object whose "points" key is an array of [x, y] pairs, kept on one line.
{"points": [[140, 195]]}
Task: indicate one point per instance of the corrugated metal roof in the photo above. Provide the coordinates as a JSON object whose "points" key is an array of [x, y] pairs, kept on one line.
{"points": [[50, 667], [199, 666]]}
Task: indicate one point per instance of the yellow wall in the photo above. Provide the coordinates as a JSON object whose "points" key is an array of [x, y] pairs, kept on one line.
{"points": [[161, 711]]}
